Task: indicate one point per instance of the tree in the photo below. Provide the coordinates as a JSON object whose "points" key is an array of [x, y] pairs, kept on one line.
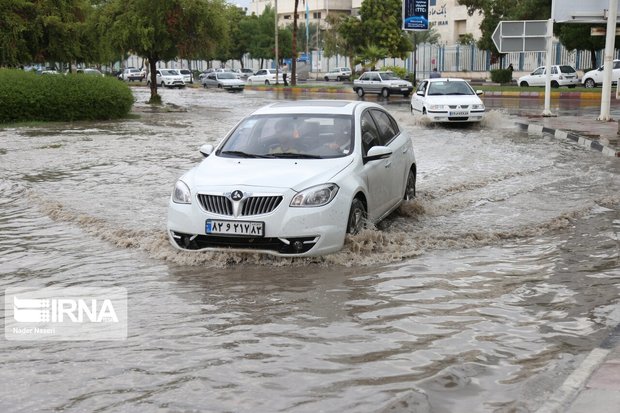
{"points": [[577, 36], [294, 45], [163, 29], [334, 43], [15, 19], [381, 26]]}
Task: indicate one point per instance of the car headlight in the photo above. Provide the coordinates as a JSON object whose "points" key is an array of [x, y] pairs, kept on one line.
{"points": [[181, 193], [315, 196], [438, 107], [477, 107]]}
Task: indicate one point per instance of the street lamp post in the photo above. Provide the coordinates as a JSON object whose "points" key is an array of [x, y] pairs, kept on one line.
{"points": [[276, 27]]}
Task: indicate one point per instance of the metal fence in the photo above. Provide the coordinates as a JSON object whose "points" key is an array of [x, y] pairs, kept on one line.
{"points": [[454, 58]]}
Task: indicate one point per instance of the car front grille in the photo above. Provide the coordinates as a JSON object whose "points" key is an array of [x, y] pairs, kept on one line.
{"points": [[253, 205], [458, 107]]}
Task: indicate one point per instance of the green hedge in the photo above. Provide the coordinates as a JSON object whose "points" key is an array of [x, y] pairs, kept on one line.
{"points": [[501, 76], [26, 96]]}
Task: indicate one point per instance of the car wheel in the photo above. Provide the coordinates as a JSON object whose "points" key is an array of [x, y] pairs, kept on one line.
{"points": [[555, 84], [219, 86], [357, 217], [524, 84], [410, 187], [385, 92], [338, 78], [360, 92], [162, 84], [204, 85], [266, 82], [326, 79], [590, 83]]}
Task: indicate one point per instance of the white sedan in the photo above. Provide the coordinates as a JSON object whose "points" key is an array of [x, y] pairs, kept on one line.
{"points": [[447, 100], [223, 80], [293, 179]]}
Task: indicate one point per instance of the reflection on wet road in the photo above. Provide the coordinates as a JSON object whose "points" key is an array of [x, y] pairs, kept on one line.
{"points": [[481, 295]]}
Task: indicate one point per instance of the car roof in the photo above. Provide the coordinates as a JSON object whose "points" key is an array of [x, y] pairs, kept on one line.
{"points": [[445, 79], [319, 107]]}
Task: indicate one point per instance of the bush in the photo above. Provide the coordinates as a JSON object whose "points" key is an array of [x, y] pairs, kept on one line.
{"points": [[26, 96], [398, 71], [501, 76]]}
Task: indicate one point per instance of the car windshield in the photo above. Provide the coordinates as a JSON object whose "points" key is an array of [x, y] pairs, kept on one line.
{"points": [[226, 75], [449, 88], [169, 72], [185, 72], [389, 76], [291, 136], [567, 69]]}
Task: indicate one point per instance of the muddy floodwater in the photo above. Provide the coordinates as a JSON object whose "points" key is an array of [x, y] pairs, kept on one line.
{"points": [[482, 295]]}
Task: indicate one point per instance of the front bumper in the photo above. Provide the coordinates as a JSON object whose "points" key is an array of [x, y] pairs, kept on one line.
{"points": [[446, 116], [288, 231]]}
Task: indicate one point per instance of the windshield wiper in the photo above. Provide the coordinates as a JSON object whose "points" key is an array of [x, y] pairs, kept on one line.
{"points": [[293, 155], [241, 154]]}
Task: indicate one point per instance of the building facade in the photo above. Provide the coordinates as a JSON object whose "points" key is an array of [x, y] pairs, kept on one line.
{"points": [[449, 18]]}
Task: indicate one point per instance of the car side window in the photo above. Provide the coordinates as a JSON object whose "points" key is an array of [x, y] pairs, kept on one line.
{"points": [[554, 70], [616, 65], [386, 126], [370, 134], [364, 77], [539, 71], [422, 87]]}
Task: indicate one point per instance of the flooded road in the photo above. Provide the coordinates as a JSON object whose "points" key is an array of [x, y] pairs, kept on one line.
{"points": [[481, 295]]}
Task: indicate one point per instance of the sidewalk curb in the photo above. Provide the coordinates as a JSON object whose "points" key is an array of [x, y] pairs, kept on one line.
{"points": [[561, 400], [536, 129]]}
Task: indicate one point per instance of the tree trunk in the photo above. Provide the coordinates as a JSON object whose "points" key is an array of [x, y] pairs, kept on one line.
{"points": [[153, 68]]}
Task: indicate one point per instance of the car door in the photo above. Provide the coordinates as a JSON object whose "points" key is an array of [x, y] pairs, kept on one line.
{"points": [[537, 78], [260, 76], [417, 101], [400, 144], [375, 85], [615, 72], [211, 80], [378, 173]]}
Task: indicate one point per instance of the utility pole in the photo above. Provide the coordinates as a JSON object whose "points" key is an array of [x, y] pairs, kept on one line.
{"points": [[276, 26]]}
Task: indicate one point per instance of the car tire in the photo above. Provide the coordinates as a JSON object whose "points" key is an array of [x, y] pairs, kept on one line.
{"points": [[589, 83], [326, 79], [204, 85], [162, 84], [357, 217], [555, 84], [338, 78], [219, 86], [360, 92], [266, 83], [385, 92], [410, 186], [524, 84]]}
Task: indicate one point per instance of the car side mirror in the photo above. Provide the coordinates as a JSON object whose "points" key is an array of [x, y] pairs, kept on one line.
{"points": [[206, 149], [377, 152], [479, 92], [420, 93]]}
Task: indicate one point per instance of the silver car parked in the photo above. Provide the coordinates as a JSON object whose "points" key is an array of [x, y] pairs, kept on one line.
{"points": [[383, 83]]}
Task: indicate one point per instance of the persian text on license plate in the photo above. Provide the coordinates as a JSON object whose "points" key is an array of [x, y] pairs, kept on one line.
{"points": [[243, 228], [459, 113]]}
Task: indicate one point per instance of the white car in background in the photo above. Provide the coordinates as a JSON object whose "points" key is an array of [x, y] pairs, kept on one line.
{"points": [[561, 75], [223, 80], [447, 100], [188, 77], [265, 77], [168, 78], [594, 77], [293, 179], [338, 74]]}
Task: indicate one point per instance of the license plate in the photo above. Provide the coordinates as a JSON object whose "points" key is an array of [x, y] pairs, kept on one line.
{"points": [[403, 89], [459, 113], [242, 228]]}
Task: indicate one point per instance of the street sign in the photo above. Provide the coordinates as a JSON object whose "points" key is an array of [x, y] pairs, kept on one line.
{"points": [[521, 36], [600, 31], [415, 15], [580, 11]]}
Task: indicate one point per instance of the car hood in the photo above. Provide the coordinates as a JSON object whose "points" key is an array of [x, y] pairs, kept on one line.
{"points": [[454, 100], [296, 174]]}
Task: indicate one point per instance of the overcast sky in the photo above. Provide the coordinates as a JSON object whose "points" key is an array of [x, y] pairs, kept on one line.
{"points": [[242, 3]]}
